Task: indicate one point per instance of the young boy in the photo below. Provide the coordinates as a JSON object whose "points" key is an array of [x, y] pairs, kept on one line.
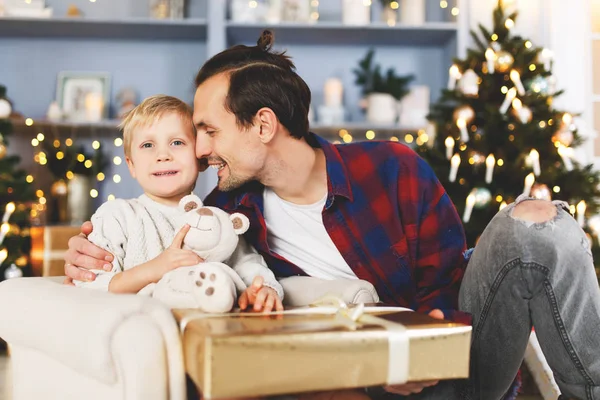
{"points": [[159, 140]]}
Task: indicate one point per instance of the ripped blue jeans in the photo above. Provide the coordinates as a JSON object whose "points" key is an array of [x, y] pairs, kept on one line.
{"points": [[522, 275]]}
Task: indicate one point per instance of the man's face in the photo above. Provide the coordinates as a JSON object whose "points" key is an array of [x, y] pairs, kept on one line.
{"points": [[236, 153]]}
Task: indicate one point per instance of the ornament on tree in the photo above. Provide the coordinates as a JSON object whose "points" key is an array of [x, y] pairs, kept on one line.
{"points": [[541, 191], [465, 112], [564, 137], [13, 272], [539, 85], [469, 83], [5, 109], [523, 113], [504, 61], [2, 150], [482, 197], [476, 158]]}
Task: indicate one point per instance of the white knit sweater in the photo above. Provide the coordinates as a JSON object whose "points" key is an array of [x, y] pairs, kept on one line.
{"points": [[138, 230]]}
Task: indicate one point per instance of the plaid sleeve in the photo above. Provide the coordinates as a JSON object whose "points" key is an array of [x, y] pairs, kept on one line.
{"points": [[440, 243]]}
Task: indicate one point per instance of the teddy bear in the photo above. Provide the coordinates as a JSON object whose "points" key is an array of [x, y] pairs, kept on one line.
{"points": [[210, 286]]}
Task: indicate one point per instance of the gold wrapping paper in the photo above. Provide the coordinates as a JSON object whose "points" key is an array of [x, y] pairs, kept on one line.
{"points": [[48, 246], [246, 355]]}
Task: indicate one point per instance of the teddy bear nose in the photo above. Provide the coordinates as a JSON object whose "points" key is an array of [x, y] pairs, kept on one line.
{"points": [[205, 212]]}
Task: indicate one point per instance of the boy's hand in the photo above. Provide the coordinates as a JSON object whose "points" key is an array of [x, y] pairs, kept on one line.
{"points": [[262, 297], [174, 256]]}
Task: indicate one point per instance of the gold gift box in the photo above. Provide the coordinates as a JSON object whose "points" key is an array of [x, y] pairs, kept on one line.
{"points": [[251, 355]]}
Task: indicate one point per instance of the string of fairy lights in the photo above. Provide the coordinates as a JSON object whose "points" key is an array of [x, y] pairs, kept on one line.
{"points": [[60, 187]]}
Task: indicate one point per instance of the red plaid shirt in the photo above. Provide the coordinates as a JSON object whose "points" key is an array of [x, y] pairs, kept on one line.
{"points": [[389, 217]]}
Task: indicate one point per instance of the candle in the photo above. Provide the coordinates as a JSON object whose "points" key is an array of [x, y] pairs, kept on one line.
{"points": [[94, 107], [510, 95], [567, 119], [462, 125], [534, 156], [516, 78], [333, 92], [581, 213], [454, 163], [449, 147], [502, 205], [454, 75], [490, 56], [565, 153], [10, 208], [469, 207], [545, 57], [490, 162], [3, 231], [529, 180]]}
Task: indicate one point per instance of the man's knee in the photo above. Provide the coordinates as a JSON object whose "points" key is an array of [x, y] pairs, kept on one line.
{"points": [[534, 211]]}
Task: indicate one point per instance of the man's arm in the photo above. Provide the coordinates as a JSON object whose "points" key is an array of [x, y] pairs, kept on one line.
{"points": [[83, 255]]}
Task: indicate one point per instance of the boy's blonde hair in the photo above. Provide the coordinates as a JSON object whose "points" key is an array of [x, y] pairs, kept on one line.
{"points": [[149, 111]]}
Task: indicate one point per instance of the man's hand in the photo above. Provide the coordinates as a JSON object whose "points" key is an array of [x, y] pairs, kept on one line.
{"points": [[262, 297], [415, 387], [173, 257], [82, 255]]}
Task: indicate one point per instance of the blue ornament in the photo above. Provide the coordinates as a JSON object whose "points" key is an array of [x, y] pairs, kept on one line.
{"points": [[482, 197], [539, 85]]}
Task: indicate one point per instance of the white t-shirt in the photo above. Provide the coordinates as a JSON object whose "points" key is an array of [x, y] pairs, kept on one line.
{"points": [[297, 233]]}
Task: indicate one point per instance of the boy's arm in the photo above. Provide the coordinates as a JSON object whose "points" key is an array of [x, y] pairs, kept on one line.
{"points": [[248, 264]]}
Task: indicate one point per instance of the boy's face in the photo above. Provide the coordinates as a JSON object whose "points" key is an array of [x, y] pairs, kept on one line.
{"points": [[237, 153], [162, 158]]}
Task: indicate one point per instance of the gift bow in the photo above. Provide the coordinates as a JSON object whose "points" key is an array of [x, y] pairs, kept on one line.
{"points": [[398, 348]]}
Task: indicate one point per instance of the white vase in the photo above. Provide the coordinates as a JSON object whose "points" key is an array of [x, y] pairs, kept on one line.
{"points": [[355, 12], [79, 201], [412, 12], [382, 108]]}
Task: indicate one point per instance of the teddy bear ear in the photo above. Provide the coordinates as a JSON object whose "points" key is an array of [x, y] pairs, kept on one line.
{"points": [[189, 203], [240, 222]]}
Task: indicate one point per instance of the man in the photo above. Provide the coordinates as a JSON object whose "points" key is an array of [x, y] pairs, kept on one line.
{"points": [[375, 211]]}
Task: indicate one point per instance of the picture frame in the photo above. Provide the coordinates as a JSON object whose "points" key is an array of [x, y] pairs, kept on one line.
{"points": [[83, 96]]}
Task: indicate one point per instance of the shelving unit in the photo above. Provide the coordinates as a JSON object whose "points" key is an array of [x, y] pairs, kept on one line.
{"points": [[322, 33], [89, 28], [163, 56]]}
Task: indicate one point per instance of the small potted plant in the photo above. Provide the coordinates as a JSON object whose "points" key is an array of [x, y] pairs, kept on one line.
{"points": [[382, 91]]}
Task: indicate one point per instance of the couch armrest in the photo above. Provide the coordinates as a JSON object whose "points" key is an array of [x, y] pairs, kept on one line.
{"points": [[304, 290], [86, 330]]}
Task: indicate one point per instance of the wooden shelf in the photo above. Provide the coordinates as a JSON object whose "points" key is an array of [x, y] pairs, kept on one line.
{"points": [[429, 34], [109, 128], [130, 28]]}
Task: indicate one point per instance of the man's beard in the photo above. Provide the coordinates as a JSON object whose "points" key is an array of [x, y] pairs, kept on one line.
{"points": [[230, 183]]}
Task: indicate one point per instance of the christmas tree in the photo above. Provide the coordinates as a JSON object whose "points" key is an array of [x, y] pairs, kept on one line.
{"points": [[498, 135], [16, 196]]}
